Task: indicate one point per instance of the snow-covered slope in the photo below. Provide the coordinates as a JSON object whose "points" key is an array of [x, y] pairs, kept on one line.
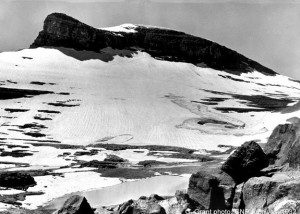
{"points": [[137, 100]]}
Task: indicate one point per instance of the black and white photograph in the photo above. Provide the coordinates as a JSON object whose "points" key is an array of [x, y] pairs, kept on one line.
{"points": [[150, 107]]}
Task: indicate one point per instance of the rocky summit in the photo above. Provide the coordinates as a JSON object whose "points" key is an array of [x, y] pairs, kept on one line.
{"points": [[61, 30]]}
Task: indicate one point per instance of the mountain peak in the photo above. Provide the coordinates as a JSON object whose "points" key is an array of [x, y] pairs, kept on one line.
{"points": [[61, 30]]}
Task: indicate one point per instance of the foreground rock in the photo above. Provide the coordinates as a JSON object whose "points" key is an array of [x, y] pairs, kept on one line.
{"points": [[61, 30], [212, 189], [75, 205], [245, 162], [181, 203], [283, 146], [144, 205], [16, 180], [154, 204], [276, 194]]}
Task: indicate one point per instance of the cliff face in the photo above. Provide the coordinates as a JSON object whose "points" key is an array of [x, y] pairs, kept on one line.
{"points": [[61, 30]]}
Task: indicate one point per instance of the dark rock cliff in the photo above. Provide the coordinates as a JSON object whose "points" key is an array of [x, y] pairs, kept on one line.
{"points": [[61, 30]]}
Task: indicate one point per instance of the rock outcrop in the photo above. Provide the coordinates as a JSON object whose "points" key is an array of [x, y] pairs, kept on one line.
{"points": [[212, 189], [144, 205], [276, 194], [181, 203], [16, 180], [75, 205], [61, 30], [245, 162], [283, 146]]}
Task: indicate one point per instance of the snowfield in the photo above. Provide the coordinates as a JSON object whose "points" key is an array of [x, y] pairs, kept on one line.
{"points": [[138, 100]]}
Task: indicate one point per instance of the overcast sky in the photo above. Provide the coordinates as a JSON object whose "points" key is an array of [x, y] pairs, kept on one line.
{"points": [[267, 31]]}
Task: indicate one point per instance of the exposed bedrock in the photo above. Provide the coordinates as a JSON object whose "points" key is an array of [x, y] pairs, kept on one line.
{"points": [[276, 194], [61, 30], [283, 146]]}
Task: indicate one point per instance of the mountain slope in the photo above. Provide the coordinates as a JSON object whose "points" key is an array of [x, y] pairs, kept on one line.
{"points": [[81, 95]]}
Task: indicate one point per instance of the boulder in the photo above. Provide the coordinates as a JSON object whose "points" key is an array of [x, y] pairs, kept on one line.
{"points": [[126, 207], [172, 206], [245, 162], [16, 180], [179, 204], [283, 146], [76, 204], [274, 194], [212, 189], [144, 205]]}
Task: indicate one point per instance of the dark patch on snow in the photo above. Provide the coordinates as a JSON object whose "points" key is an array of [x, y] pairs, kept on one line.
{"points": [[15, 154], [39, 117], [297, 81], [61, 104], [49, 111], [64, 93], [15, 130], [13, 93], [264, 103], [11, 146], [12, 110], [37, 83], [209, 103], [39, 142], [239, 110], [35, 134], [267, 103], [10, 81], [26, 57], [235, 79], [204, 121], [32, 126], [212, 100]]}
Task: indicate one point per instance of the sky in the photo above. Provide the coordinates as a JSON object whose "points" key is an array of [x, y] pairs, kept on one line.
{"points": [[267, 31]]}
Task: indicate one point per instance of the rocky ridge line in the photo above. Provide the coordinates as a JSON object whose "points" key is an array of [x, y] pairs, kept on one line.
{"points": [[61, 30]]}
